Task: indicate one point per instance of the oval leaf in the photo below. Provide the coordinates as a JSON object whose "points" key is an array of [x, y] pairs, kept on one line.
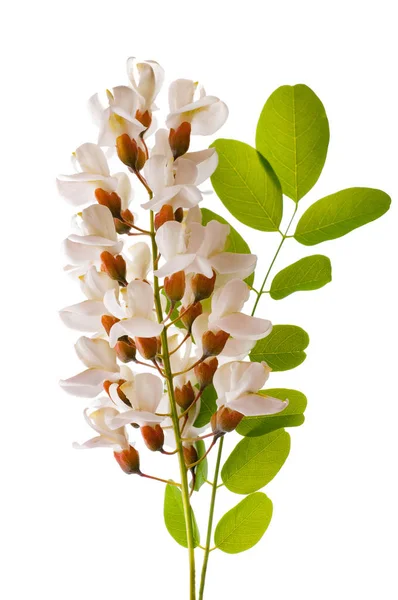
{"points": [[247, 185], [309, 273], [208, 406], [338, 214], [283, 348], [255, 461], [201, 470], [244, 525], [235, 242], [174, 517], [291, 416], [293, 135]]}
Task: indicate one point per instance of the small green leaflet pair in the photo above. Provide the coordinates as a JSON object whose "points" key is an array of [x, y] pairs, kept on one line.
{"points": [[291, 146]]}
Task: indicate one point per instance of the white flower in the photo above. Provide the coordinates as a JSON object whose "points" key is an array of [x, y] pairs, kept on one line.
{"points": [[94, 173], [237, 384], [226, 305], [144, 394], [146, 78], [98, 234], [175, 182], [100, 360], [138, 261], [86, 315], [195, 248], [118, 116], [99, 418], [181, 360], [137, 313], [188, 102]]}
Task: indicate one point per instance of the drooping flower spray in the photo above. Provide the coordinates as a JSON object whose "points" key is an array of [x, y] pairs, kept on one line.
{"points": [[171, 355]]}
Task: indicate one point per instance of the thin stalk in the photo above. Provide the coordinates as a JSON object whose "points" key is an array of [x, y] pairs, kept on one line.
{"points": [[208, 548], [176, 426]]}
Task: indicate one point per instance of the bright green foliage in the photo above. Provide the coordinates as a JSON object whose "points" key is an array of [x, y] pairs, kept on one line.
{"points": [[255, 461], [174, 517], [246, 184], [338, 214], [309, 273], [244, 525], [283, 348], [235, 242], [291, 416], [293, 135], [208, 406], [201, 470]]}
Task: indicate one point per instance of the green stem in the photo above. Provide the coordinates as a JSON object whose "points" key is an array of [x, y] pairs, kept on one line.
{"points": [[208, 549], [176, 425], [284, 236]]}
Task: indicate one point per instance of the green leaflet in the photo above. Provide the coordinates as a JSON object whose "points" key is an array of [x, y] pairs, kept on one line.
{"points": [[244, 525], [201, 470], [255, 461], [291, 416], [283, 348], [247, 185], [338, 214], [309, 273], [208, 406], [235, 242], [293, 135], [174, 516]]}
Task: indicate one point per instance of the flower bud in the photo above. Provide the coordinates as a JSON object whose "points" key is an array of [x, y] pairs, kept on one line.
{"points": [[125, 349], [108, 322], [202, 287], [179, 139], [204, 372], [174, 286], [165, 214], [184, 395], [145, 118], [114, 266], [109, 199], [190, 455], [153, 437], [188, 315], [127, 216], [129, 460], [127, 150], [141, 159], [225, 420], [107, 384], [214, 343], [179, 215], [121, 227], [147, 347]]}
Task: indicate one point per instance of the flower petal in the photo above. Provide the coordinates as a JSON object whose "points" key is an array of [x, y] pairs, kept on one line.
{"points": [[89, 383], [244, 327], [134, 327], [253, 405]]}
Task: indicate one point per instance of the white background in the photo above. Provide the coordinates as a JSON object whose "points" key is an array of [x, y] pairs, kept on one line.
{"points": [[73, 525]]}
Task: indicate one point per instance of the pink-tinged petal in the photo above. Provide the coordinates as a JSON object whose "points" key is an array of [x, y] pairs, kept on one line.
{"points": [[237, 349], [166, 195], [77, 193], [98, 221], [140, 299], [253, 405], [178, 263], [138, 261], [92, 159], [214, 239], [196, 237], [232, 263], [124, 98], [206, 162], [244, 327], [155, 172], [89, 383], [140, 417], [170, 239], [84, 316], [96, 353], [148, 391], [201, 265], [230, 298], [181, 92], [210, 120], [134, 327], [188, 197], [95, 284], [123, 189], [186, 171]]}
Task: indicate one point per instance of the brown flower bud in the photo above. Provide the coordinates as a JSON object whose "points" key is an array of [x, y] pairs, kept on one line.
{"points": [[225, 420], [153, 437], [145, 118], [108, 322], [147, 347], [190, 455], [179, 139], [127, 150], [174, 286], [109, 199], [179, 215], [114, 266], [127, 216], [165, 214], [188, 315], [121, 227], [184, 395], [204, 372], [213, 343], [141, 159], [129, 460], [107, 384], [202, 286], [125, 349]]}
